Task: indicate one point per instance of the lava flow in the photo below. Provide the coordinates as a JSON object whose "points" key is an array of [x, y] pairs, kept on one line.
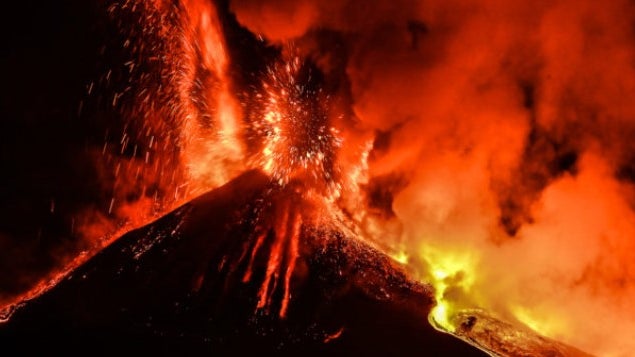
{"points": [[485, 146]]}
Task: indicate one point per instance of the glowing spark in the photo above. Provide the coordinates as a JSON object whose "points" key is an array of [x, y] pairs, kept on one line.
{"points": [[292, 123], [334, 336]]}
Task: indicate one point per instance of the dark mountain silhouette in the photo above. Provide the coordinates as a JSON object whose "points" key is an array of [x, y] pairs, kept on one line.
{"points": [[177, 287]]}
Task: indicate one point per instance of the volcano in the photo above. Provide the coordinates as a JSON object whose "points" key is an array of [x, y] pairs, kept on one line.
{"points": [[310, 177], [179, 286]]}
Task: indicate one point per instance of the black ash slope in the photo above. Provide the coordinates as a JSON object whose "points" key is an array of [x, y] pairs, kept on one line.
{"points": [[175, 287]]}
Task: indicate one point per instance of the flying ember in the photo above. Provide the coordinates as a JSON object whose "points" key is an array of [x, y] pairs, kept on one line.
{"points": [[292, 121]]}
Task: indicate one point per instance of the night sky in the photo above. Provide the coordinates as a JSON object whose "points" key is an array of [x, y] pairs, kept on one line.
{"points": [[50, 52]]}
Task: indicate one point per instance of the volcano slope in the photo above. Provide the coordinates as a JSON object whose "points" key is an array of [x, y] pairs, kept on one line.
{"points": [[191, 283]]}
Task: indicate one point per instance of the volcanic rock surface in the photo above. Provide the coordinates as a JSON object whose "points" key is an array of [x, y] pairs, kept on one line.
{"points": [[504, 339], [178, 286]]}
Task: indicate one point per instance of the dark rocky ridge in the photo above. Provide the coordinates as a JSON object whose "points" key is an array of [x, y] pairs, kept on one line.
{"points": [[174, 287]]}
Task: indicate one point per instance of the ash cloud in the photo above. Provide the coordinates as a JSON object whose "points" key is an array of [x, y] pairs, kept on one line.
{"points": [[512, 126]]}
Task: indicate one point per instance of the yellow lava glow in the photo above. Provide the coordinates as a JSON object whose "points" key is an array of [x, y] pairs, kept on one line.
{"points": [[545, 324], [400, 257], [452, 275]]}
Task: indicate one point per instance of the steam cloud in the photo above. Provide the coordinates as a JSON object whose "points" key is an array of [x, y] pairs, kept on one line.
{"points": [[508, 129]]}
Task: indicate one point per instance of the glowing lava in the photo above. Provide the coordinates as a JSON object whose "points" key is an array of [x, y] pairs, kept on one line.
{"points": [[292, 121]]}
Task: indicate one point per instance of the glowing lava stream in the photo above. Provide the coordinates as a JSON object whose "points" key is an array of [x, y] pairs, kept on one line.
{"points": [[450, 274], [286, 235], [449, 271], [290, 123]]}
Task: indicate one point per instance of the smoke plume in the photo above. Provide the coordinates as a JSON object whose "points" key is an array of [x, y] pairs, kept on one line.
{"points": [[503, 140]]}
